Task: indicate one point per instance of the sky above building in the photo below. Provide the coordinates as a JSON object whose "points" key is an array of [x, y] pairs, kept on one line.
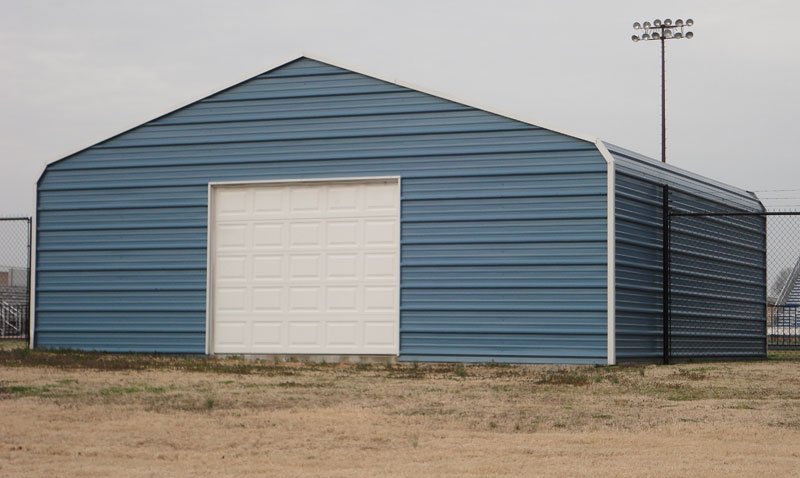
{"points": [[75, 73]]}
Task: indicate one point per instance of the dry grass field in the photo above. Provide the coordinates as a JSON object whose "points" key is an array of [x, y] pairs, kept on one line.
{"points": [[87, 415]]}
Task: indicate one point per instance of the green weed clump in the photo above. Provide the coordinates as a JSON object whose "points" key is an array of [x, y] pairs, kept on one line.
{"points": [[459, 370]]}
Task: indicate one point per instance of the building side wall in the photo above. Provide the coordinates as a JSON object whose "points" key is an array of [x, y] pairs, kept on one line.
{"points": [[503, 224], [717, 265]]}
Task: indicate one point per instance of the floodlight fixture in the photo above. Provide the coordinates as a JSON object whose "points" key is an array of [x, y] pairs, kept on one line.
{"points": [[662, 31]]}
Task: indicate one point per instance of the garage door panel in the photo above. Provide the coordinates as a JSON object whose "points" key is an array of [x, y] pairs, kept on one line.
{"points": [[232, 203], [344, 199], [306, 199], [305, 334], [342, 298], [232, 334], [304, 235], [270, 202], [342, 233], [268, 236], [380, 233], [267, 267], [268, 299], [306, 268], [232, 237], [342, 266], [380, 298], [231, 299], [342, 334], [379, 198], [380, 265], [379, 334], [231, 268], [304, 299], [267, 335]]}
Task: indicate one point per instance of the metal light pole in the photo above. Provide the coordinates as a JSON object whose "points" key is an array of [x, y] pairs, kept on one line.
{"points": [[663, 31]]}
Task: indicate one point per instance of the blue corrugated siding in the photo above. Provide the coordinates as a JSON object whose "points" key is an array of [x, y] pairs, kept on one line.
{"points": [[718, 266], [503, 241]]}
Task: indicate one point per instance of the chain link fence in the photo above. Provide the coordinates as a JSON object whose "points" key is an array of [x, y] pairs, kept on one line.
{"points": [[15, 262], [730, 280], [783, 285]]}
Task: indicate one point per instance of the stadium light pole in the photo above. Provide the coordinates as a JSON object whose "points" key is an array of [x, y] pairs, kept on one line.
{"points": [[663, 31]]}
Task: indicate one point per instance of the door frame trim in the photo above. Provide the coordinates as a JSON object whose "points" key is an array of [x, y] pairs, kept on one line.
{"points": [[210, 240]]}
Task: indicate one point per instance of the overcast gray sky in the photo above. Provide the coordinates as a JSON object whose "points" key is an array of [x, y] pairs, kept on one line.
{"points": [[73, 73]]}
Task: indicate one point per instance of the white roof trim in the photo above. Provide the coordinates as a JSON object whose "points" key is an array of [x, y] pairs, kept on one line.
{"points": [[296, 57]]}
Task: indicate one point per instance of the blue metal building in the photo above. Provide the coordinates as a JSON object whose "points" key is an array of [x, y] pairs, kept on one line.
{"points": [[312, 209]]}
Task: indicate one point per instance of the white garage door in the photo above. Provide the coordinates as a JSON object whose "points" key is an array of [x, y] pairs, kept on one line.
{"points": [[306, 268]]}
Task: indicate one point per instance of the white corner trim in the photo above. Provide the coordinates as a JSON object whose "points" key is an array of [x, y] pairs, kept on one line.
{"points": [[32, 272], [209, 267], [611, 287]]}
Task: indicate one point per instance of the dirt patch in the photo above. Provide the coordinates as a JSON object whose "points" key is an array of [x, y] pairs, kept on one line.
{"points": [[67, 413]]}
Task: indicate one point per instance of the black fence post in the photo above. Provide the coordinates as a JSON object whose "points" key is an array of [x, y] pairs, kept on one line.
{"points": [[766, 287], [665, 281]]}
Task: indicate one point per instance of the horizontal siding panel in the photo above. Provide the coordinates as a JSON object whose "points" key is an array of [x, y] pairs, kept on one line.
{"points": [[503, 233], [123, 239], [557, 152], [717, 265], [532, 185], [115, 280], [123, 322], [588, 207], [655, 173], [122, 260], [504, 321], [123, 218], [546, 277], [544, 230], [503, 299], [123, 198], [398, 102], [128, 301], [532, 345], [504, 254], [202, 175], [261, 88], [144, 342], [305, 129]]}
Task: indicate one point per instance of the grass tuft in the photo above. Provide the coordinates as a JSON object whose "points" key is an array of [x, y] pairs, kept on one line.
{"points": [[575, 378], [459, 370]]}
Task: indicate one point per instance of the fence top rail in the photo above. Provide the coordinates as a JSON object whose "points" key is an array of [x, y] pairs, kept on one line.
{"points": [[14, 219], [711, 214]]}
